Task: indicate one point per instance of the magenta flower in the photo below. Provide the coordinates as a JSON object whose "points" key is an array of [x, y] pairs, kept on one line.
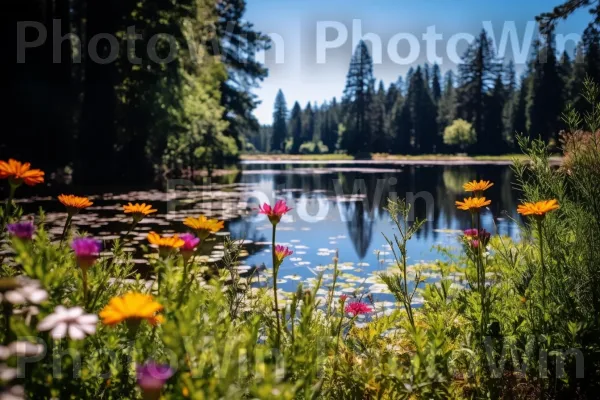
{"points": [[357, 308], [151, 377], [475, 243], [189, 246], [343, 298], [21, 230], [190, 241], [86, 251], [275, 213], [471, 232], [281, 252]]}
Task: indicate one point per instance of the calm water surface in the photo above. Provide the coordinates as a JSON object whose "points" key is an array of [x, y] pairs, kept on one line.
{"points": [[336, 207]]}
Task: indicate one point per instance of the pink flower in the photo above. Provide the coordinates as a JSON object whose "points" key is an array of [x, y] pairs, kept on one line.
{"points": [[343, 298], [475, 243], [358, 308], [190, 241], [189, 245], [274, 214], [471, 232], [282, 252], [86, 251]]}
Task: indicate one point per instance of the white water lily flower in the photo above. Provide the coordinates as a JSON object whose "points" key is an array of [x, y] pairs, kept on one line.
{"points": [[71, 321]]}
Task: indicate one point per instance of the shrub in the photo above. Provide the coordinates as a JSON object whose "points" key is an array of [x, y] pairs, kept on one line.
{"points": [[460, 133]]}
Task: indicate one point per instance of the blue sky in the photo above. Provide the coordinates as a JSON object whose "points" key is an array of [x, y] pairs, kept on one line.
{"points": [[314, 38]]}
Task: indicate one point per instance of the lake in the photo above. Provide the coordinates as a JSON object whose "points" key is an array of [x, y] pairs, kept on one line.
{"points": [[336, 207]]}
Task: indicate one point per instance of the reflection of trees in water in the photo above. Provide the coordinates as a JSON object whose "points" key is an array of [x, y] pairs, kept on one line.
{"points": [[441, 183], [360, 226]]}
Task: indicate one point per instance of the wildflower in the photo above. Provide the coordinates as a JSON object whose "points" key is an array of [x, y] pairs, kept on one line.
{"points": [[69, 321], [86, 251], [189, 245], [21, 291], [73, 203], [21, 230], [16, 392], [343, 298], [473, 204], [23, 348], [165, 244], [203, 226], [18, 173], [357, 308], [133, 307], [281, 252], [274, 214], [7, 374], [473, 237], [138, 211], [538, 210], [477, 187], [151, 378]]}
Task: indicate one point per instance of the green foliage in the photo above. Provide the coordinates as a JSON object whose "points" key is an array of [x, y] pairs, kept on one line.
{"points": [[313, 148], [460, 133]]}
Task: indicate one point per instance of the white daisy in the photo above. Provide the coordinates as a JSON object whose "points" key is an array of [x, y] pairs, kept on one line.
{"points": [[71, 321], [28, 291]]}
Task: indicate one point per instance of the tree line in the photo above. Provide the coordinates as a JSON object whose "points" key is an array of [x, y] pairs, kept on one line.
{"points": [[479, 108], [125, 120]]}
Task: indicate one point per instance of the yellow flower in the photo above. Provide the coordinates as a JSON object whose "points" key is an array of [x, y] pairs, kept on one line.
{"points": [[139, 211], [473, 204], [477, 187], [17, 172], [539, 209], [74, 204], [203, 226], [165, 243], [132, 307]]}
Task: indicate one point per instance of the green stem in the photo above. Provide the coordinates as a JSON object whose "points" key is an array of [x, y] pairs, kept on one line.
{"points": [[481, 274], [275, 272], [85, 285], [7, 311], [66, 228], [332, 291], [8, 210], [540, 235]]}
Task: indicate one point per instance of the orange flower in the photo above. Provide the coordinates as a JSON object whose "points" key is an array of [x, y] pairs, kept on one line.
{"points": [[203, 226], [74, 204], [18, 172], [539, 209], [165, 243], [477, 187], [473, 204], [139, 211], [132, 307]]}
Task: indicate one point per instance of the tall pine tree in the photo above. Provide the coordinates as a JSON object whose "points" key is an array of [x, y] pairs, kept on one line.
{"points": [[280, 114]]}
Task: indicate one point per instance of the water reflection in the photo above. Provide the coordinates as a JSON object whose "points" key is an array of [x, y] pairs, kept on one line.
{"points": [[350, 203]]}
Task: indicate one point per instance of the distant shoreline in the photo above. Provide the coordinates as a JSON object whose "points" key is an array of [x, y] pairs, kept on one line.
{"points": [[432, 159]]}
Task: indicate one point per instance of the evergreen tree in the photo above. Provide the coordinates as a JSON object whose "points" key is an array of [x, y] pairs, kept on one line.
{"points": [[330, 130], [519, 116], [356, 101], [545, 103], [295, 128], [402, 127], [436, 84], [447, 103], [477, 76], [510, 99], [280, 132], [308, 124], [377, 121], [423, 115], [493, 113]]}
